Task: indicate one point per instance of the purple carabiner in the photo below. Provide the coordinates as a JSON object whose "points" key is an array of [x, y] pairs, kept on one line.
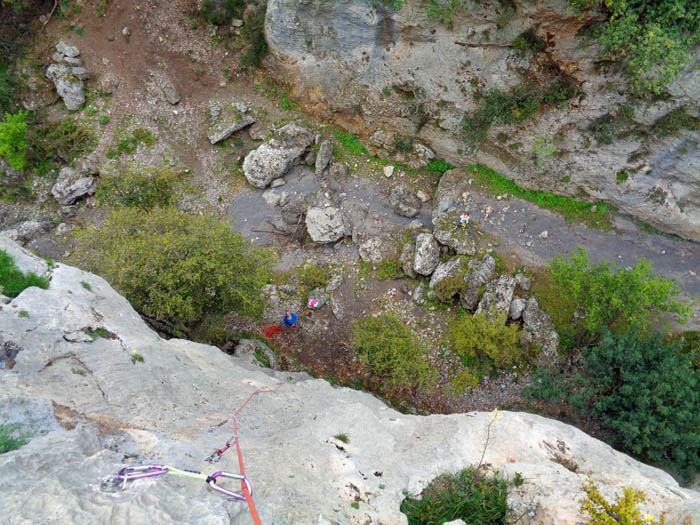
{"points": [[237, 495], [143, 471]]}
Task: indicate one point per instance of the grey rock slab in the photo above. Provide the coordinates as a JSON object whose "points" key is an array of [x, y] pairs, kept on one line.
{"points": [[408, 253], [224, 128], [427, 254], [523, 282], [404, 202], [376, 249], [25, 260], [325, 225], [166, 409], [71, 186], [334, 283], [76, 62], [249, 348], [419, 293], [479, 272], [337, 308], [539, 331], [325, 154], [497, 296], [67, 49], [447, 232], [517, 307], [68, 86], [169, 91], [27, 230], [276, 198], [448, 279], [80, 72]]}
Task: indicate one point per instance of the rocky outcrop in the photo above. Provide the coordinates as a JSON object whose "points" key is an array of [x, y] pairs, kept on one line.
{"points": [[325, 154], [497, 297], [538, 331], [403, 202], [415, 77], [478, 274], [94, 408], [68, 75], [272, 159], [427, 254], [325, 224], [448, 279], [448, 232], [226, 121], [73, 185]]}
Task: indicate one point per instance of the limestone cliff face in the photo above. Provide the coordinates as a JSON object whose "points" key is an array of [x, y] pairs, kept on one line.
{"points": [[93, 409], [369, 69]]}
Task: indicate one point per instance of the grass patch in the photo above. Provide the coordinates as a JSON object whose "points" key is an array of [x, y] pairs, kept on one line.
{"points": [[673, 122], [100, 332], [342, 437], [288, 104], [467, 495], [129, 142], [13, 281], [86, 285], [570, 209], [350, 143], [9, 438], [389, 269], [54, 142], [439, 166]]}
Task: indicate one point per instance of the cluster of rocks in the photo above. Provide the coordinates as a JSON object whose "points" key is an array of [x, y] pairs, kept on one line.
{"points": [[68, 74], [75, 183], [227, 120]]}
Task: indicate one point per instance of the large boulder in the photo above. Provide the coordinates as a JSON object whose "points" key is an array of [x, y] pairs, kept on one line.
{"points": [[497, 296], [539, 331], [404, 202], [68, 86], [272, 159], [448, 279], [325, 154], [460, 239], [427, 254], [325, 224], [478, 274], [137, 399], [72, 185]]}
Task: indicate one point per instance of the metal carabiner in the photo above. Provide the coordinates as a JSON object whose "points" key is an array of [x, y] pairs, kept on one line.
{"points": [[139, 472], [237, 495]]}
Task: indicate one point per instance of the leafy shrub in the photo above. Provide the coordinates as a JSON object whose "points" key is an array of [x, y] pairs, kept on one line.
{"points": [[176, 267], [8, 442], [403, 144], [644, 393], [220, 12], [623, 510], [8, 85], [467, 495], [61, 141], [674, 121], [13, 139], [483, 344], [13, 281], [388, 348], [444, 11], [439, 165], [584, 298], [652, 38], [254, 33], [142, 190], [528, 42], [512, 107]]}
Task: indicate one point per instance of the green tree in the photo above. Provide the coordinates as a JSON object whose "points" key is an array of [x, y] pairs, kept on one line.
{"points": [[177, 267], [652, 38], [643, 392], [13, 139], [387, 347], [136, 189], [584, 298]]}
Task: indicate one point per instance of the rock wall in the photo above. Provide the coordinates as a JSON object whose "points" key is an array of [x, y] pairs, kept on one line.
{"points": [[385, 73], [94, 407]]}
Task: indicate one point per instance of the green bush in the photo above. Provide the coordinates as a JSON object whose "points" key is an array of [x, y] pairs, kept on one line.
{"points": [[644, 393], [128, 142], [674, 121], [651, 38], [254, 33], [13, 139], [528, 42], [142, 190], [623, 510], [467, 495], [219, 12], [482, 345], [350, 143], [387, 347], [8, 442], [176, 267], [13, 281], [439, 165], [61, 141], [8, 85], [583, 298]]}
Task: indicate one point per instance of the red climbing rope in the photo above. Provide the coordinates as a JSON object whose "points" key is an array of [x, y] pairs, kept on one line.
{"points": [[217, 454], [269, 331]]}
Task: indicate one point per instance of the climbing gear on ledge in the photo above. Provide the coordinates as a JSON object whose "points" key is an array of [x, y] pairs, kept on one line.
{"points": [[119, 481]]}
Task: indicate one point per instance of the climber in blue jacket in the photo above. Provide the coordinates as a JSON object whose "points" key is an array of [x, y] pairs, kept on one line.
{"points": [[290, 319]]}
